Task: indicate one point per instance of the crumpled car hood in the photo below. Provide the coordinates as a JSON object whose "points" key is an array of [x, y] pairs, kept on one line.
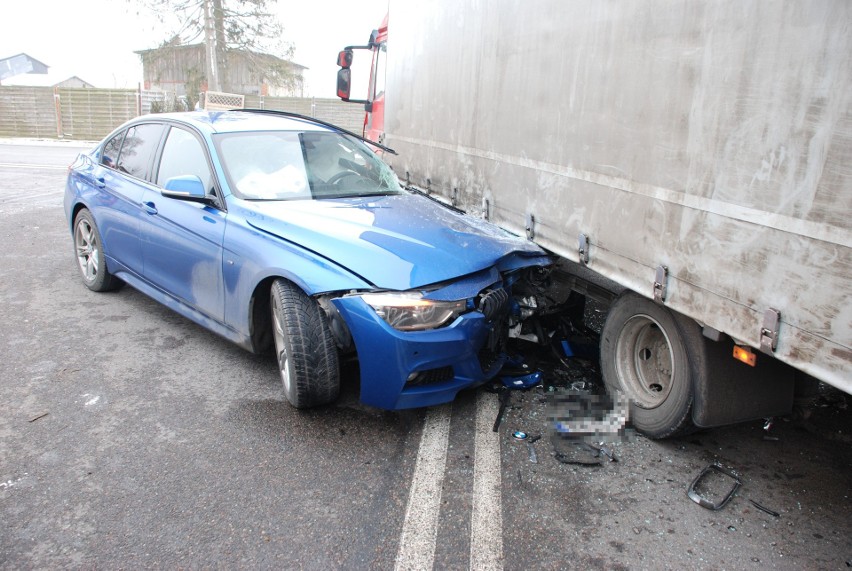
{"points": [[396, 242]]}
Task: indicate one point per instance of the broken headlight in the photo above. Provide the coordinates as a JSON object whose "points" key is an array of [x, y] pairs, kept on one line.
{"points": [[409, 311]]}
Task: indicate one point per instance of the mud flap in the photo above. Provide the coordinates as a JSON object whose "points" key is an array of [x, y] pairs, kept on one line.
{"points": [[735, 392]]}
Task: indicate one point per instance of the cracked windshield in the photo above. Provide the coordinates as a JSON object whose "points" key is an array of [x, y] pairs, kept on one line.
{"points": [[290, 165]]}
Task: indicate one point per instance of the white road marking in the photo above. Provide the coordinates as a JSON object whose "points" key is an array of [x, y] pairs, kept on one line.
{"points": [[420, 529], [30, 196], [20, 166], [10, 483], [486, 521]]}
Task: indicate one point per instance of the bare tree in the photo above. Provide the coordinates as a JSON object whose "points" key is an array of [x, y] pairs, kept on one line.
{"points": [[247, 26]]}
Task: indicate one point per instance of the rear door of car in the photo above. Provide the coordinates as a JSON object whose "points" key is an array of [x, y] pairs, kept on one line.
{"points": [[126, 161], [182, 240]]}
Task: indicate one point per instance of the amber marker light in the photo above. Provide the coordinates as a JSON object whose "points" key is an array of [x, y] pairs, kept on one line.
{"points": [[745, 355]]}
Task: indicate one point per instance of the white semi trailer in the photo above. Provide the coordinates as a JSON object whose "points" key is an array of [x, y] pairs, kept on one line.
{"points": [[688, 161]]}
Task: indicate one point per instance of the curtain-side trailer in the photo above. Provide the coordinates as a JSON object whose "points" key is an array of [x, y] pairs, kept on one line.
{"points": [[688, 161]]}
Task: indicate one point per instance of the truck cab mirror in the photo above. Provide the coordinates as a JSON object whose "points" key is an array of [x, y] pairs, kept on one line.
{"points": [[344, 59], [344, 82]]}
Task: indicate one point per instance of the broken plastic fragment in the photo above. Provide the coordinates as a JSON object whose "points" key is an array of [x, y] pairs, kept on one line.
{"points": [[522, 382], [533, 457], [606, 452], [576, 452], [765, 509], [504, 401], [696, 496]]}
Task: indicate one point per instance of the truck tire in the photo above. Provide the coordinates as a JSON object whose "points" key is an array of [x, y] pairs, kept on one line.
{"points": [[653, 355], [306, 353]]}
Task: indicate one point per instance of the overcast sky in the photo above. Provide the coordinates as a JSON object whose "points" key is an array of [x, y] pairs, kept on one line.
{"points": [[95, 39]]}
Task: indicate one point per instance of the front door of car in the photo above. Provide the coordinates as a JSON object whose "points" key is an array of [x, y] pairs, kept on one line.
{"points": [[182, 240]]}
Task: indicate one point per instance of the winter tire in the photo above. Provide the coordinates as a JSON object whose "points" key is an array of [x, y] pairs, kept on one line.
{"points": [[304, 346], [88, 249]]}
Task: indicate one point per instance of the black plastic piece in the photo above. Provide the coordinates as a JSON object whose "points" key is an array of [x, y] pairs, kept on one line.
{"points": [[704, 502], [773, 513]]}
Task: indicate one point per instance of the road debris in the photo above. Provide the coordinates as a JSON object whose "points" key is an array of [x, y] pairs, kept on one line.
{"points": [[42, 415], [767, 427], [571, 451], [765, 509], [504, 401], [533, 457], [703, 483], [606, 452]]}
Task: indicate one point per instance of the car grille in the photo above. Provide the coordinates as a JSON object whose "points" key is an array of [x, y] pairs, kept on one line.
{"points": [[431, 376]]}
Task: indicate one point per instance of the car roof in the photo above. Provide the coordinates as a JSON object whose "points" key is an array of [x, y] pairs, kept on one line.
{"points": [[239, 121]]}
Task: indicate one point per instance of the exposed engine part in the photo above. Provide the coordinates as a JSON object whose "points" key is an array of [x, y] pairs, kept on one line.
{"points": [[493, 302], [538, 276]]}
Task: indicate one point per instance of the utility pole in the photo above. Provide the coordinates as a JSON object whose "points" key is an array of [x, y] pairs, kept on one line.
{"points": [[210, 48], [221, 45]]}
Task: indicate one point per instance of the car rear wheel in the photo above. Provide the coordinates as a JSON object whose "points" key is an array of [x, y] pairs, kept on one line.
{"points": [[304, 346], [88, 249], [647, 352]]}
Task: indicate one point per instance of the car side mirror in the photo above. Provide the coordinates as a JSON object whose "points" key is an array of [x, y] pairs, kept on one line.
{"points": [[185, 187]]}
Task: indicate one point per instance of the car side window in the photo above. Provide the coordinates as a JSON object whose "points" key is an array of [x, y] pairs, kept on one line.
{"points": [[183, 154], [110, 153], [139, 146]]}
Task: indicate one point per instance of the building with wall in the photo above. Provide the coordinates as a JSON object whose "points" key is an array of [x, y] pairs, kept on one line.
{"points": [[181, 69]]}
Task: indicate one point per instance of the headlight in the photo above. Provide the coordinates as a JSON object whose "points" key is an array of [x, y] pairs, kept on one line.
{"points": [[408, 311]]}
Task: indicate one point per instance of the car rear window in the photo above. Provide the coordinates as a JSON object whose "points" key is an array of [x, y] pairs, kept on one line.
{"points": [[138, 148], [111, 149]]}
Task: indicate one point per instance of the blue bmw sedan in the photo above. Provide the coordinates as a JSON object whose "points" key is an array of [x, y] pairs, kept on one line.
{"points": [[285, 234]]}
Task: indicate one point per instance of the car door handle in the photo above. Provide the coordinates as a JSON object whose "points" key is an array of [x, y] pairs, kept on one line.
{"points": [[100, 182], [150, 207]]}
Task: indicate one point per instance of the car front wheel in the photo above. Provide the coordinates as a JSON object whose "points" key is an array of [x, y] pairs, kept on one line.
{"points": [[88, 249], [307, 356]]}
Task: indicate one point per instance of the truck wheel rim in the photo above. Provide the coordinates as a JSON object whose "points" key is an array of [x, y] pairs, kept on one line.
{"points": [[644, 361]]}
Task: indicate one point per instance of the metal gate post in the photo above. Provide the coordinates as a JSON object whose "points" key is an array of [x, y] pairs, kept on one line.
{"points": [[57, 105]]}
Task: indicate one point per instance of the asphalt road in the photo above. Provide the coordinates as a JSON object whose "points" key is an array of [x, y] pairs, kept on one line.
{"points": [[132, 438]]}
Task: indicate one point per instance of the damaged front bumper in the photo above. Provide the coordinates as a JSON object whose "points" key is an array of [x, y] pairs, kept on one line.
{"points": [[409, 369]]}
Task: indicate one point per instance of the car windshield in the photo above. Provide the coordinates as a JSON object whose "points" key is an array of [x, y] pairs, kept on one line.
{"points": [[294, 165]]}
